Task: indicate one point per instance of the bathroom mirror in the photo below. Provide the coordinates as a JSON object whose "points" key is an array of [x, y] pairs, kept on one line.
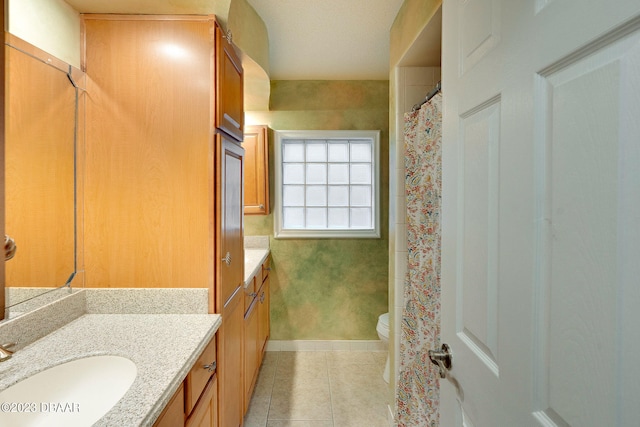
{"points": [[41, 129]]}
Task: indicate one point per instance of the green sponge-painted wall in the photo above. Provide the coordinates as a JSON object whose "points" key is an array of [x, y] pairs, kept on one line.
{"points": [[327, 289]]}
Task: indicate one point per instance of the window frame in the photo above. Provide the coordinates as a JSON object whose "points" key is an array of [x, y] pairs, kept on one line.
{"points": [[369, 135]]}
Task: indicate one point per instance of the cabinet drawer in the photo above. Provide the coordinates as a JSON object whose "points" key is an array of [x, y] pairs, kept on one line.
{"points": [[199, 375], [266, 268]]}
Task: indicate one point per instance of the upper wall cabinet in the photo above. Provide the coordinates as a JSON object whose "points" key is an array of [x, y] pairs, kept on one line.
{"points": [[256, 170], [148, 155], [149, 187], [229, 86]]}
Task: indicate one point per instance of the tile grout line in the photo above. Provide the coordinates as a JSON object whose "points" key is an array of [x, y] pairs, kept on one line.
{"points": [[326, 361], [333, 418], [273, 384]]}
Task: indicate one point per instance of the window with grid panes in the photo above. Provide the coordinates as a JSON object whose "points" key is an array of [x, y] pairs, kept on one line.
{"points": [[327, 184]]}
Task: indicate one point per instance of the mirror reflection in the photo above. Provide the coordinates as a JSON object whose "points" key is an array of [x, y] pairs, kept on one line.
{"points": [[40, 148]]}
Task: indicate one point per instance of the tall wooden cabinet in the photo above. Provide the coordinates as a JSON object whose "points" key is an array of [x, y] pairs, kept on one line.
{"points": [[230, 278], [163, 184], [230, 221]]}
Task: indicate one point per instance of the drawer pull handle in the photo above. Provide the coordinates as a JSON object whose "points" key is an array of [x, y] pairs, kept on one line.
{"points": [[253, 294], [211, 366]]}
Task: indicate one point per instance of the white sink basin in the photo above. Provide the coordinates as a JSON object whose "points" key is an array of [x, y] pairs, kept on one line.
{"points": [[73, 394]]}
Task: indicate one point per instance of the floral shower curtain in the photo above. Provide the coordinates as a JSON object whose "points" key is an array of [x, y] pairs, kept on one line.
{"points": [[418, 382]]}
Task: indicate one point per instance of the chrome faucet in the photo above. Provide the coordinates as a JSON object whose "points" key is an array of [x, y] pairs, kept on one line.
{"points": [[5, 353]]}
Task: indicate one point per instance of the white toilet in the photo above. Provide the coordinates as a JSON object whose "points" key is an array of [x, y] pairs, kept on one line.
{"points": [[383, 333]]}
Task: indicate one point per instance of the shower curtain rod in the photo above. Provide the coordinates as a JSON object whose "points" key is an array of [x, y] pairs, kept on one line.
{"points": [[429, 96]]}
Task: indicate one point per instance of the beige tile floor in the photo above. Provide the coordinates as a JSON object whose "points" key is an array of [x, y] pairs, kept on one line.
{"points": [[320, 389]]}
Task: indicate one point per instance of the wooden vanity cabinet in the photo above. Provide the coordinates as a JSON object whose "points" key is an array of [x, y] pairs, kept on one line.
{"points": [[195, 403], [256, 170], [256, 329]]}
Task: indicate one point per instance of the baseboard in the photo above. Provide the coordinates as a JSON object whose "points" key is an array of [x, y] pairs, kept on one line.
{"points": [[326, 345]]}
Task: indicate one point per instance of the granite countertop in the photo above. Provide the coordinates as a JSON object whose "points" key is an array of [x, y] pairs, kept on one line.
{"points": [[164, 347], [253, 259]]}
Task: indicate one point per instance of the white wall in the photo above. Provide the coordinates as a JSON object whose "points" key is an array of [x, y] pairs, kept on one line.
{"points": [[51, 25], [415, 83]]}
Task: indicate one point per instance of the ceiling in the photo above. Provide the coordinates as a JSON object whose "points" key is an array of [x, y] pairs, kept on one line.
{"points": [[309, 39], [328, 39], [150, 6]]}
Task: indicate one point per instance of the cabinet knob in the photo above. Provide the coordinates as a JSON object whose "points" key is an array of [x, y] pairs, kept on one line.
{"points": [[227, 258], [10, 248], [261, 207], [228, 36], [262, 297], [211, 366]]}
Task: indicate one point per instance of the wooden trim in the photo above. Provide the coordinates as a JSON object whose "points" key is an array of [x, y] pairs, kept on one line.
{"points": [[126, 17], [83, 45], [2, 130], [39, 54]]}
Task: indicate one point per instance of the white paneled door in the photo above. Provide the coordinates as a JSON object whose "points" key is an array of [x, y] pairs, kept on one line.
{"points": [[541, 213]]}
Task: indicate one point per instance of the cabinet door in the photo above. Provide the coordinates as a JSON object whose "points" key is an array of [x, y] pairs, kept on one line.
{"points": [[251, 349], [263, 314], [229, 87], [147, 167], [230, 217], [205, 414], [256, 171], [229, 278], [230, 364], [173, 413]]}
